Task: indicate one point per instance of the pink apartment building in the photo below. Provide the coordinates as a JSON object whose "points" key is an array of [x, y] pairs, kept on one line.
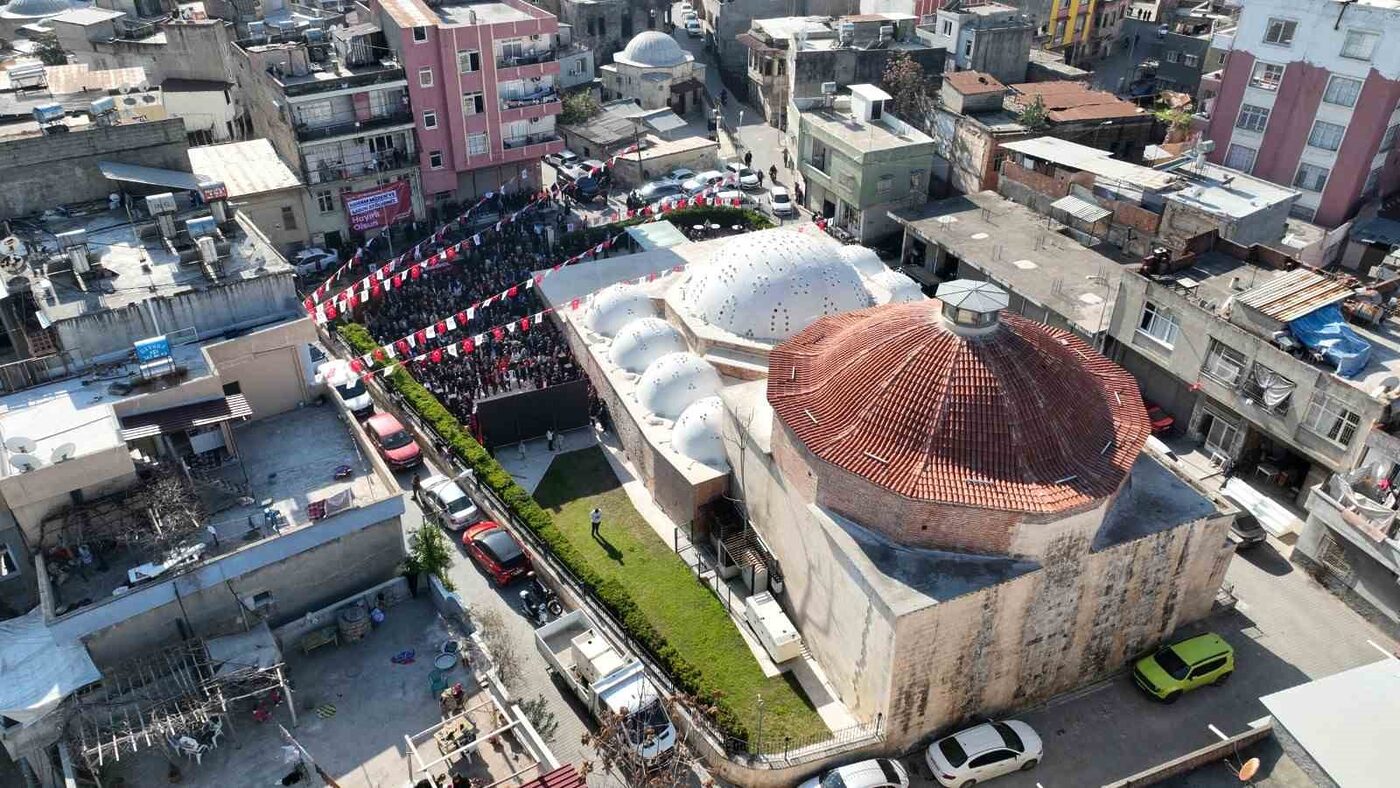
{"points": [[482, 83], [1308, 99]]}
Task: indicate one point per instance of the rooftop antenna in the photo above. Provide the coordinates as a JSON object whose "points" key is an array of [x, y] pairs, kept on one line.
{"points": [[63, 452], [20, 445], [25, 462]]}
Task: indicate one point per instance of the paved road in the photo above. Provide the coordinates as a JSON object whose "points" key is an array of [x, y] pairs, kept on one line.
{"points": [[1286, 631]]}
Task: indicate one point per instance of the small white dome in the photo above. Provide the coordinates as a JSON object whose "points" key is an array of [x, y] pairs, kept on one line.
{"points": [[769, 285], [674, 381], [614, 307], [892, 287], [653, 48], [698, 433], [643, 341], [24, 9]]}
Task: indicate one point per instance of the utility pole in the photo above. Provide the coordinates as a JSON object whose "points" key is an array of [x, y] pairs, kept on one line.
{"points": [[307, 762]]}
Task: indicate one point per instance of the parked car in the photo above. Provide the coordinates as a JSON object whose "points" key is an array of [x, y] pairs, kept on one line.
{"points": [[447, 503], [728, 196], [561, 158], [680, 174], [571, 172], [1183, 666], [496, 551], [702, 181], [780, 201], [315, 261], [1246, 531], [653, 192], [692, 28], [394, 443], [1161, 420], [587, 188], [874, 773], [982, 752], [745, 177], [356, 397], [595, 168]]}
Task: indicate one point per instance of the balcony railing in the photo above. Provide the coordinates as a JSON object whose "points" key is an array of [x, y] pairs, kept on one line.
{"points": [[526, 59], [543, 97], [364, 75], [357, 163], [307, 133], [530, 139], [1366, 523]]}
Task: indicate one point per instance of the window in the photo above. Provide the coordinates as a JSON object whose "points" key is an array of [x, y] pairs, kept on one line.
{"points": [[325, 201], [289, 218], [1280, 32], [1159, 325], [1188, 59], [953, 751], [1327, 136], [1240, 157], [1267, 389], [468, 61], [420, 34], [1304, 212], [989, 758], [885, 184], [1266, 76], [1373, 180], [1223, 364], [425, 77], [476, 145], [9, 567], [435, 159], [1360, 44], [1388, 141], [967, 48], [947, 28], [1311, 177], [473, 104], [1209, 666], [1342, 91], [1252, 118], [916, 181], [1172, 56], [1328, 417], [429, 119]]}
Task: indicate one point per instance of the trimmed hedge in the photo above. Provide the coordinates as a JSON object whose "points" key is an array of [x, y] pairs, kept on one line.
{"points": [[523, 506]]}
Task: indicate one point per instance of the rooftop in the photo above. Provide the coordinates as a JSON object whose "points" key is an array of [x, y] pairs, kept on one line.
{"points": [[455, 13], [786, 28], [1026, 253], [1073, 101], [972, 83], [1223, 192], [1093, 160], [887, 133], [246, 168]]}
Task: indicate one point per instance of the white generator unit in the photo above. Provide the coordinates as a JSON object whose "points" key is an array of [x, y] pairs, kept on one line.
{"points": [[773, 627]]}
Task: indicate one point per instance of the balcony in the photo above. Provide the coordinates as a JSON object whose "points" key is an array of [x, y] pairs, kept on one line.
{"points": [[1356, 517], [306, 133], [358, 76], [530, 139], [526, 58], [546, 96], [343, 164]]}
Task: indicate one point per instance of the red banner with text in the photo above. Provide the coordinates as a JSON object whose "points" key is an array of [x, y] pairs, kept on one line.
{"points": [[380, 206]]}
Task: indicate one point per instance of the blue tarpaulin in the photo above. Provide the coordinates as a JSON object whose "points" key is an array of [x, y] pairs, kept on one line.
{"points": [[1325, 331]]}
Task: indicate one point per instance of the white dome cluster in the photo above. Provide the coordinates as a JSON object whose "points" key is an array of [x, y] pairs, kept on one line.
{"points": [[643, 341], [674, 381], [767, 286], [614, 307], [698, 433]]}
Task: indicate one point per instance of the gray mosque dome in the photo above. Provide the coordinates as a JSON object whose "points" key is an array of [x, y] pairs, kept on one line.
{"points": [[697, 433], [616, 306], [643, 341], [671, 383], [653, 48]]}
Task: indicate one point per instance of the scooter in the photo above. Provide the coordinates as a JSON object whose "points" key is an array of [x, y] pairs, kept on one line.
{"points": [[539, 601]]}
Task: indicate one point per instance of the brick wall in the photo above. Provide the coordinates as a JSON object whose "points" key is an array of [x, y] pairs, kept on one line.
{"points": [[1045, 184]]}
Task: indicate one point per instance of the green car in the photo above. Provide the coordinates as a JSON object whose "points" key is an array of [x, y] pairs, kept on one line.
{"points": [[1184, 666]]}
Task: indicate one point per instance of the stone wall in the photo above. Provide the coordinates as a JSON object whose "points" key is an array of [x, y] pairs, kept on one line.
{"points": [[44, 171]]}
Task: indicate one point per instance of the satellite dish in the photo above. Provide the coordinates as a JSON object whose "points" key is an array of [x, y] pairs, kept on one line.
{"points": [[20, 445], [64, 452], [1249, 769], [25, 462]]}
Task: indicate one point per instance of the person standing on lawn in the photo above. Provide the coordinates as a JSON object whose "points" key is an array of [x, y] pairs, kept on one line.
{"points": [[596, 517]]}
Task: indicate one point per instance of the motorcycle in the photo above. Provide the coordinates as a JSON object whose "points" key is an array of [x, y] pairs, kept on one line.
{"points": [[539, 602]]}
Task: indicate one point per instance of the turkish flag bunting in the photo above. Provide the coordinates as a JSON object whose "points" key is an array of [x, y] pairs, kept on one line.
{"points": [[524, 324], [416, 271], [379, 354], [436, 356], [421, 336], [462, 318], [402, 346], [498, 334], [441, 327], [468, 345], [330, 312], [513, 291], [357, 366]]}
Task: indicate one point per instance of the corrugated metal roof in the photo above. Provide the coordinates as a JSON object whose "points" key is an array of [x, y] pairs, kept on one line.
{"points": [[1093, 160], [1294, 294], [1081, 209], [184, 417], [148, 176]]}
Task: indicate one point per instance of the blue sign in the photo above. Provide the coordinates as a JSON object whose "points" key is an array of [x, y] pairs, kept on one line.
{"points": [[153, 349]]}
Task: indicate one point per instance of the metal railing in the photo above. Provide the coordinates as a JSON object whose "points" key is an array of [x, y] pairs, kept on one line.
{"points": [[530, 139], [308, 133], [516, 102], [526, 59], [352, 164]]}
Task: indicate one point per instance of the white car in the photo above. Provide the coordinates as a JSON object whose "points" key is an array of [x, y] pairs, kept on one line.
{"points": [[561, 158], [746, 178], [692, 28], [315, 261], [980, 753], [447, 503], [680, 174], [728, 196], [780, 202], [701, 182], [874, 773]]}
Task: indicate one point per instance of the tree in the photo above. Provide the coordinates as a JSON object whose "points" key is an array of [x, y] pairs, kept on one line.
{"points": [[536, 710], [1035, 117], [429, 553], [904, 79], [579, 107], [50, 52], [1176, 115]]}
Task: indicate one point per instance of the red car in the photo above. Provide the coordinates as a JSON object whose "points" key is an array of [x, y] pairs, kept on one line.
{"points": [[1161, 420], [395, 445], [496, 551]]}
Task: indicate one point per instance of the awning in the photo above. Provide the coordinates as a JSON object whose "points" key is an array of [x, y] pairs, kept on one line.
{"points": [[665, 121], [1082, 210], [185, 417], [149, 176]]}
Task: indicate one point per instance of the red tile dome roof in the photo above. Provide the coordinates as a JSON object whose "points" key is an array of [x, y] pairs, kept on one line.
{"points": [[1023, 417]]}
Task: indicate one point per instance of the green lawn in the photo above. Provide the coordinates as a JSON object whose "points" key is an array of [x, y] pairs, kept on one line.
{"points": [[678, 606]]}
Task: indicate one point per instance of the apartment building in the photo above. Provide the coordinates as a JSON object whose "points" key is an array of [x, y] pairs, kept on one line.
{"points": [[1308, 98], [990, 38], [483, 91], [335, 105]]}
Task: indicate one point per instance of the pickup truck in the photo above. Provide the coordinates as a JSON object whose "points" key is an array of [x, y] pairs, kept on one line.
{"points": [[608, 681]]}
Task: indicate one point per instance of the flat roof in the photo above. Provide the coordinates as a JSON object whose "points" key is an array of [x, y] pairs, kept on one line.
{"points": [[1024, 252], [416, 13], [972, 83], [1071, 101], [865, 136], [660, 234], [1094, 160], [250, 167], [1346, 722], [787, 27], [1225, 192], [86, 16], [80, 77]]}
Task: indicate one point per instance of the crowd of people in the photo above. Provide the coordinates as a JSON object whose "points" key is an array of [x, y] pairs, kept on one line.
{"points": [[521, 359]]}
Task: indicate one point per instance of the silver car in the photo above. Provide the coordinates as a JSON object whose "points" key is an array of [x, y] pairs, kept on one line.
{"points": [[977, 754], [447, 503]]}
